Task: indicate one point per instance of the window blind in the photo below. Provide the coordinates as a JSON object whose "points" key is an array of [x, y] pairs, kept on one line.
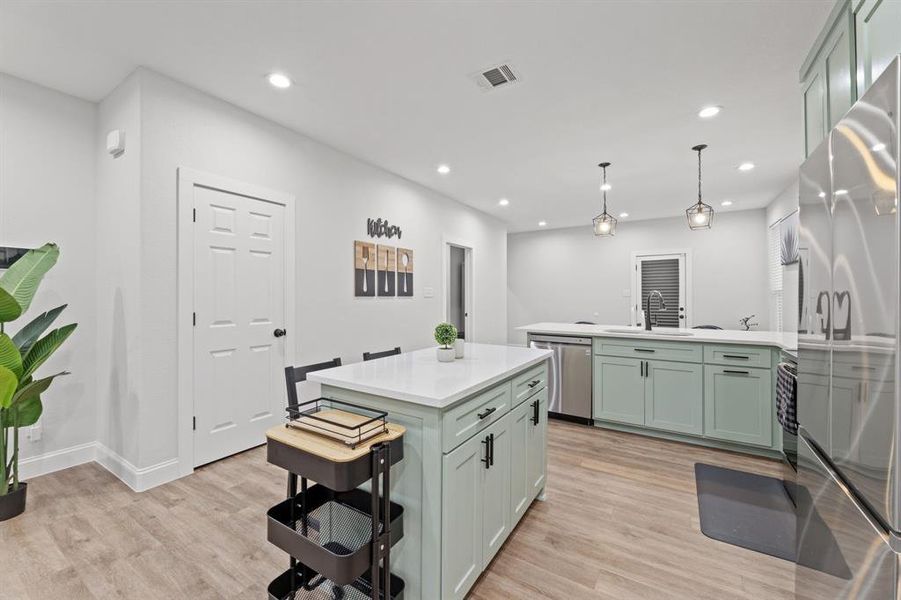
{"points": [[662, 275], [774, 265]]}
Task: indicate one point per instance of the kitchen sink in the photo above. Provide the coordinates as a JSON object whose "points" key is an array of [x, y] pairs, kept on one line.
{"points": [[653, 332]]}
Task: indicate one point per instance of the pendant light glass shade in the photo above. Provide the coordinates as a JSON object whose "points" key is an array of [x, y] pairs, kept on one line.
{"points": [[700, 215], [604, 224]]}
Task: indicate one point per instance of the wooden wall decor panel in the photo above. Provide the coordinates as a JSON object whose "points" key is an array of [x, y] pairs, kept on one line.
{"points": [[364, 269], [387, 267], [404, 272]]}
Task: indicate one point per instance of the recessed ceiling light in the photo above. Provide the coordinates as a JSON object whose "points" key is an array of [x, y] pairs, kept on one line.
{"points": [[726, 203], [503, 202], [709, 111], [878, 147], [279, 80], [746, 166], [443, 169], [822, 194], [623, 215], [542, 223], [841, 192], [606, 187]]}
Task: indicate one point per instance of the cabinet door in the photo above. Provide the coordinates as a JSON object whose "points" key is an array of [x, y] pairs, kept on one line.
{"points": [[878, 25], [814, 110], [738, 405], [618, 390], [840, 83], [674, 397], [496, 523], [845, 397], [461, 521], [537, 445], [877, 419], [520, 436]]}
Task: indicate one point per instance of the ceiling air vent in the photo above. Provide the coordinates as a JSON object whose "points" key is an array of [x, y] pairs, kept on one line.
{"points": [[495, 77]]}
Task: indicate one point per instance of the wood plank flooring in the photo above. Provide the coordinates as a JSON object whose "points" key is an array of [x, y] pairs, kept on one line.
{"points": [[621, 521]]}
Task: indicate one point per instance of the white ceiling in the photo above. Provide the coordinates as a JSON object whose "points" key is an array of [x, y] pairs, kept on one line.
{"points": [[388, 82]]}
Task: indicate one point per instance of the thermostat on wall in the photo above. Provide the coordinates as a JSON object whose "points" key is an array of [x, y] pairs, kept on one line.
{"points": [[115, 142]]}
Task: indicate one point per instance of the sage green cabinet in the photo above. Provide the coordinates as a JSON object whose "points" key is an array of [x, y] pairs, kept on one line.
{"points": [[878, 28], [674, 396], [476, 507], [738, 405], [528, 461], [618, 392], [828, 85], [461, 522]]}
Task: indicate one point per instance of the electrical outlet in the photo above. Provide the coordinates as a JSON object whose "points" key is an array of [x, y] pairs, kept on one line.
{"points": [[428, 292], [35, 432]]}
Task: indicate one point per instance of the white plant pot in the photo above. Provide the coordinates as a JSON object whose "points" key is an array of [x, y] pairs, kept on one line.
{"points": [[446, 354], [458, 348]]}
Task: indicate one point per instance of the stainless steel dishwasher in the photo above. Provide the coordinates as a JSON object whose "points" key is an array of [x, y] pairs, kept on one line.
{"points": [[569, 376]]}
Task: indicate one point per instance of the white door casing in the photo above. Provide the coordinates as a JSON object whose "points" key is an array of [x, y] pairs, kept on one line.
{"points": [[236, 277]]}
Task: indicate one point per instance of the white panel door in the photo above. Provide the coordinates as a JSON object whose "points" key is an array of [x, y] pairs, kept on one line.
{"points": [[239, 301]]}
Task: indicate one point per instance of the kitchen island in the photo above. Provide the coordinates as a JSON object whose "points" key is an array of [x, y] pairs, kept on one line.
{"points": [[474, 453], [704, 386]]}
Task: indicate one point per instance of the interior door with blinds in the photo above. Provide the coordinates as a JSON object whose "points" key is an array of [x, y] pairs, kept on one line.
{"points": [[665, 273]]}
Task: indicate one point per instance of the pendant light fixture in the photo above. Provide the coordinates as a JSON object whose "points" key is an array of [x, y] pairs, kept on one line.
{"points": [[604, 223], [700, 215]]}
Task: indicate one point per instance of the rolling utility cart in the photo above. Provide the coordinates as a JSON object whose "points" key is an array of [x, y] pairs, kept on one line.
{"points": [[339, 537]]}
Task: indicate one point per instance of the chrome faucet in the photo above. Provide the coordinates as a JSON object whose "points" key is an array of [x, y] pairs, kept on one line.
{"points": [[647, 308]]}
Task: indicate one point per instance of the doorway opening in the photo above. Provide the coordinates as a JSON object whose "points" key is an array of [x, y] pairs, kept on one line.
{"points": [[458, 295]]}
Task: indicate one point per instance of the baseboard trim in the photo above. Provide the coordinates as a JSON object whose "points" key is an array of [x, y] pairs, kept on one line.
{"points": [[43, 464], [138, 479]]}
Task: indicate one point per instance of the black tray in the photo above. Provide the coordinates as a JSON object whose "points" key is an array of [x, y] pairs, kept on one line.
{"points": [[323, 589], [316, 419], [339, 476], [335, 537]]}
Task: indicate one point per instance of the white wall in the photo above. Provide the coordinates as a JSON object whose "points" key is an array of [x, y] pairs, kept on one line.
{"points": [[46, 195], [335, 194], [570, 275], [119, 278], [782, 206]]}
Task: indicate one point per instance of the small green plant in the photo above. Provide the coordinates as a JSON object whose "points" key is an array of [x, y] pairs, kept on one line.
{"points": [[22, 355], [445, 334]]}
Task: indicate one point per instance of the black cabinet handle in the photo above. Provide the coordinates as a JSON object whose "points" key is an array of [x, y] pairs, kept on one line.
{"points": [[279, 333], [491, 446], [486, 412], [736, 356], [534, 382], [644, 350], [731, 372], [487, 459], [536, 413]]}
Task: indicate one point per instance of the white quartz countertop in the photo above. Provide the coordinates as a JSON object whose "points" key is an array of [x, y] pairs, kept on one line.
{"points": [[419, 378], [784, 341]]}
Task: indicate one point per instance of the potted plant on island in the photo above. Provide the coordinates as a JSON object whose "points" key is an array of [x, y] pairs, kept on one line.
{"points": [[446, 335], [20, 357]]}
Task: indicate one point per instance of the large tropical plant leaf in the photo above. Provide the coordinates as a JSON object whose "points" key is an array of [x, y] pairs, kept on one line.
{"points": [[9, 355], [24, 276], [24, 413], [31, 332], [44, 348], [8, 383], [26, 406], [9, 308]]}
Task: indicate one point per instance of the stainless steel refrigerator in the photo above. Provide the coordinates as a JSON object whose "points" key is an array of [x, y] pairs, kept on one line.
{"points": [[849, 400]]}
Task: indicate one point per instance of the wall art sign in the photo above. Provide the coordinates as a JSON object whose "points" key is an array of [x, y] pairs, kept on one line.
{"points": [[364, 269], [404, 272], [379, 228]]}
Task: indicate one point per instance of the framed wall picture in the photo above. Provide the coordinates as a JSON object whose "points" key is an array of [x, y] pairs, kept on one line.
{"points": [[404, 272], [364, 269], [387, 266]]}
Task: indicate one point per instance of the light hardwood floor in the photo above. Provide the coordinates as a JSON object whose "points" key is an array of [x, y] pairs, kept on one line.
{"points": [[621, 521]]}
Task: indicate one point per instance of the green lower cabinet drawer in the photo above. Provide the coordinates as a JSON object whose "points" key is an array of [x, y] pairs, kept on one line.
{"points": [[738, 405], [674, 397]]}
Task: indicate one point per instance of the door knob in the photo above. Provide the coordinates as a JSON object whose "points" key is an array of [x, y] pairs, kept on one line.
{"points": [[279, 333]]}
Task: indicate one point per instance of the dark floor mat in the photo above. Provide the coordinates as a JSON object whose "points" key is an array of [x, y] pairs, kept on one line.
{"points": [[755, 512]]}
